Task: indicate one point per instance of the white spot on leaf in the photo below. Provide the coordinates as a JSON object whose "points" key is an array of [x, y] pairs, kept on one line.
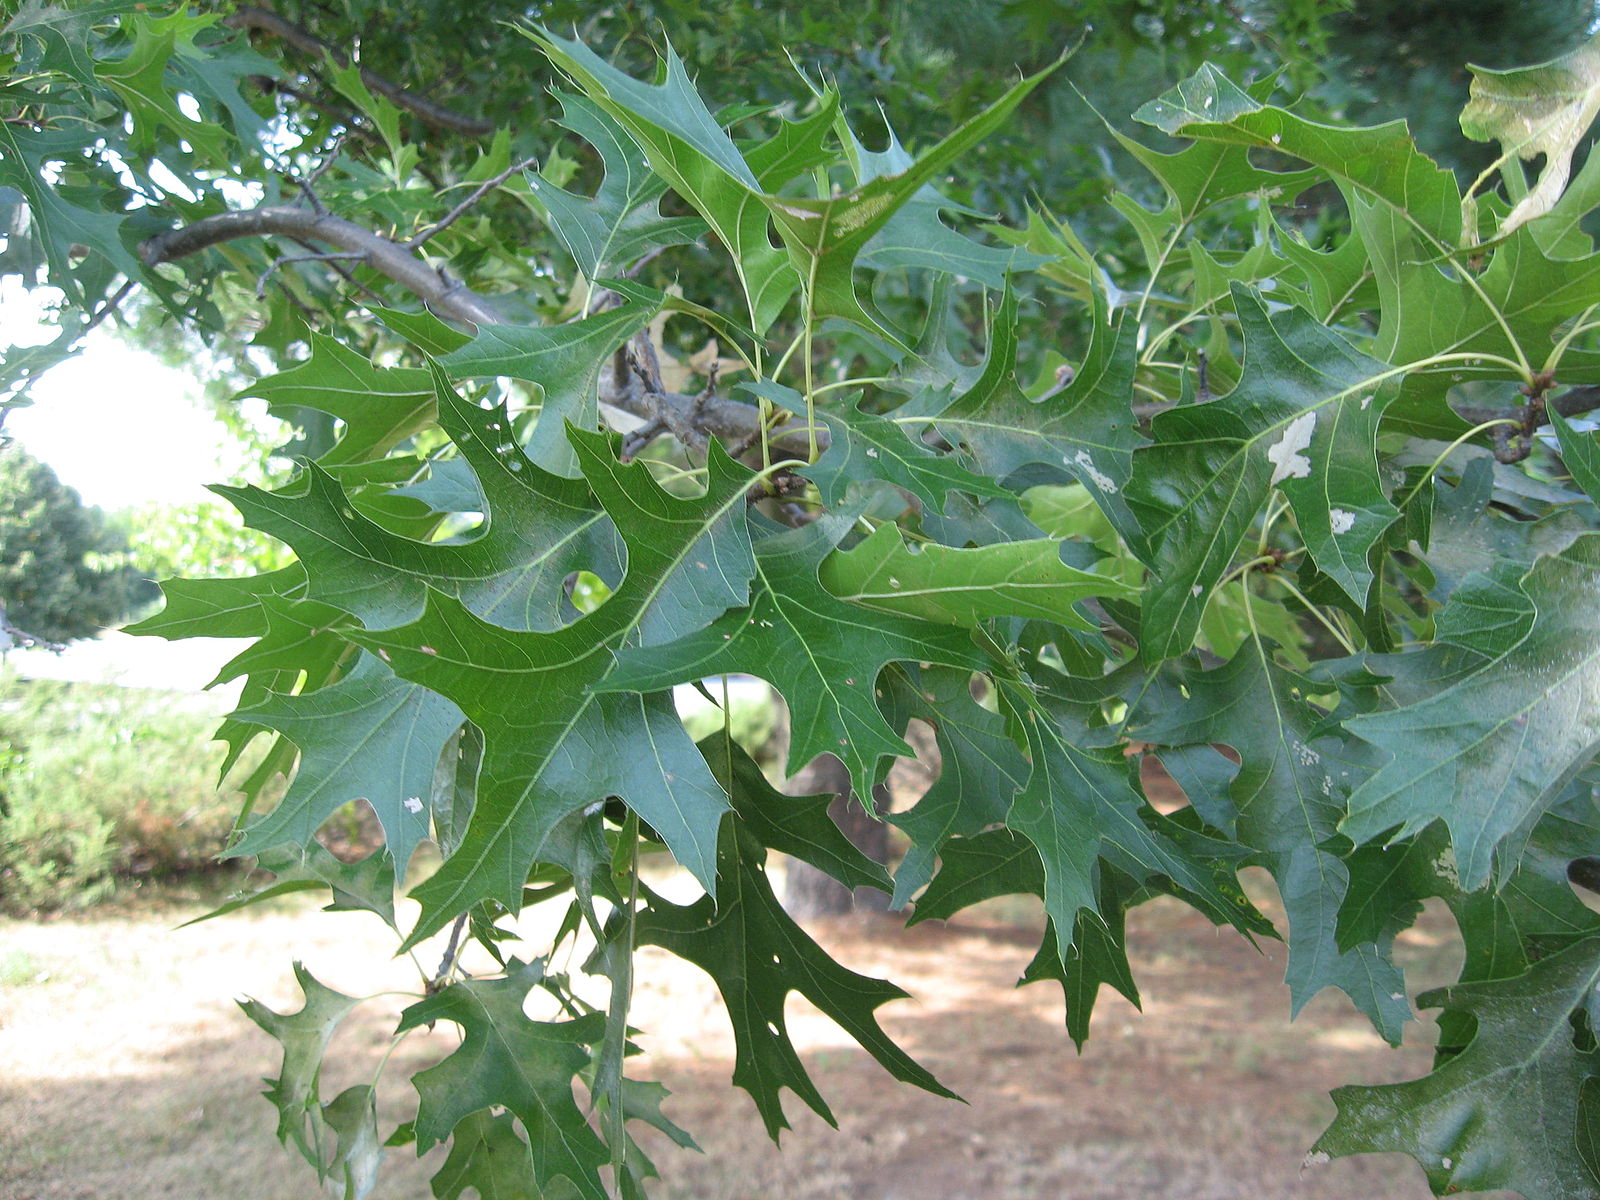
{"points": [[1287, 454], [1096, 476], [1340, 520], [414, 804], [1445, 867]]}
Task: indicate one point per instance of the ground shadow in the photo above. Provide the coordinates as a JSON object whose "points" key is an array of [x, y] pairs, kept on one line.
{"points": [[1209, 1094]]}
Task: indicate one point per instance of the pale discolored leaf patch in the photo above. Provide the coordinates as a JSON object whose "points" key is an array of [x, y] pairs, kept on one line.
{"points": [[1544, 109]]}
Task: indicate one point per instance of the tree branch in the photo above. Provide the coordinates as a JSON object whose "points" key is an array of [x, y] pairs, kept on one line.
{"points": [[388, 258], [734, 421], [252, 17], [1585, 872], [1573, 402]]}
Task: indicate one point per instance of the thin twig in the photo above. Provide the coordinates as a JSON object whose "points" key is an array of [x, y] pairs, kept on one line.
{"points": [[1515, 426], [326, 256], [448, 962], [310, 314], [460, 210], [698, 408], [645, 362], [12, 638], [641, 355], [643, 261], [306, 191], [745, 444], [634, 443], [323, 167], [110, 306], [344, 273], [345, 115]]}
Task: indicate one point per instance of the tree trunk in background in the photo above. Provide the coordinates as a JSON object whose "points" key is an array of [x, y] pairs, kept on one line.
{"points": [[809, 892]]}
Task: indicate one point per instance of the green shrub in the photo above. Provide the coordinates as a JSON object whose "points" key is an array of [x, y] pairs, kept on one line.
{"points": [[63, 573], [102, 783]]}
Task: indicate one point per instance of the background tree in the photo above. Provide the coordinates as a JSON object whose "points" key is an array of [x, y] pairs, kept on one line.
{"points": [[711, 390], [63, 569], [203, 539]]}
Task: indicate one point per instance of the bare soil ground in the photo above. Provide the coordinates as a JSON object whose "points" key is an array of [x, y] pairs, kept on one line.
{"points": [[127, 1072]]}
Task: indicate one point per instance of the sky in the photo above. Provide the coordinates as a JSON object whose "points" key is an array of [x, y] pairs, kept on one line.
{"points": [[114, 422]]}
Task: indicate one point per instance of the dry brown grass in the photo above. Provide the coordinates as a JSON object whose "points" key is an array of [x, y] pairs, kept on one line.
{"points": [[127, 1072]]}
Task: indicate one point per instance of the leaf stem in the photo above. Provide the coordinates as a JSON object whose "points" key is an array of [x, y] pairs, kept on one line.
{"points": [[1249, 610], [1483, 175], [1471, 358], [394, 1044], [806, 332], [1157, 267], [1523, 367], [862, 381], [764, 413], [1276, 507], [1243, 568], [671, 472], [1338, 634], [1451, 449], [622, 998], [1170, 330], [782, 364], [1582, 326]]}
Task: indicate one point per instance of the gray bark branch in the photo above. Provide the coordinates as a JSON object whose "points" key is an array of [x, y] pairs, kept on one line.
{"points": [[1573, 402], [447, 299], [262, 20], [733, 421]]}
